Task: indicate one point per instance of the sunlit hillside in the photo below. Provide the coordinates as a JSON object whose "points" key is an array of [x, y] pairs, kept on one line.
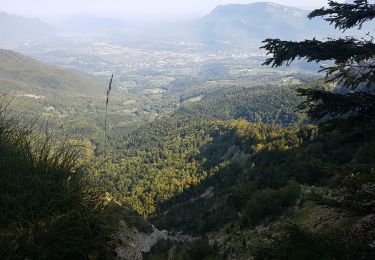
{"points": [[187, 130]]}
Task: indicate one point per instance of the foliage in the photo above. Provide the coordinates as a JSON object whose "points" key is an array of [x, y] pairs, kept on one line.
{"points": [[353, 69], [255, 172], [297, 243], [173, 161], [359, 106], [269, 202], [345, 16], [50, 204], [272, 105]]}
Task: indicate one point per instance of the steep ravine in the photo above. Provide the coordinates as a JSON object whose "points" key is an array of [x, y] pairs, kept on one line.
{"points": [[133, 243]]}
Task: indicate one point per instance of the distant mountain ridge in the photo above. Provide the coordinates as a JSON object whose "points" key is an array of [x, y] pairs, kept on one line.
{"points": [[91, 26], [14, 27], [19, 73], [236, 26], [257, 21]]}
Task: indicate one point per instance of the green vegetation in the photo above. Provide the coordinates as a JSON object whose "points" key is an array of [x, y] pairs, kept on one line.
{"points": [[50, 204], [353, 68], [228, 162], [297, 244], [272, 105], [24, 75], [276, 177], [252, 162]]}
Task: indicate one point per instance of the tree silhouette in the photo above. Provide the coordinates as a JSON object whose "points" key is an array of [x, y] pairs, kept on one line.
{"points": [[353, 69]]}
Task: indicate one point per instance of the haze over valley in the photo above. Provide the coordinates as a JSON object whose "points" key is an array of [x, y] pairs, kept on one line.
{"points": [[174, 130], [156, 66]]}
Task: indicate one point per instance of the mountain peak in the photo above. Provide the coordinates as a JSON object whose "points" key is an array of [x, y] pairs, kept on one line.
{"points": [[13, 27], [256, 5], [244, 23], [258, 8]]}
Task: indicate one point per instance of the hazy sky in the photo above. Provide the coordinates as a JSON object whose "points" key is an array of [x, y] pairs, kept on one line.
{"points": [[139, 9]]}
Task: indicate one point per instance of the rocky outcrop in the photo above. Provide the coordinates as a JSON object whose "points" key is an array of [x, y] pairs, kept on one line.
{"points": [[133, 243]]}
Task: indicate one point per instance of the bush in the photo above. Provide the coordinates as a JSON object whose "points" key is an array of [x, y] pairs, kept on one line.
{"points": [[297, 243], [269, 202]]}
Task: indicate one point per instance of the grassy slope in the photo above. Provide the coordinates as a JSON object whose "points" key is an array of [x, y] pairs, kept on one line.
{"points": [[50, 205], [23, 74]]}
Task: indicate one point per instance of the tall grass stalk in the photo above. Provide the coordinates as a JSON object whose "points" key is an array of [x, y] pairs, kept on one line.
{"points": [[51, 206], [106, 117]]}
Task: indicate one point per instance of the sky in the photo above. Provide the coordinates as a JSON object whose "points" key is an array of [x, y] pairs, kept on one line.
{"points": [[130, 9]]}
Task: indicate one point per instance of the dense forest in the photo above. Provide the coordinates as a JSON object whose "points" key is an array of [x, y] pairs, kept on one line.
{"points": [[279, 168]]}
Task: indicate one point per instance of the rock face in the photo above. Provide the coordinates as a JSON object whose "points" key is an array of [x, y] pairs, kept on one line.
{"points": [[134, 243]]}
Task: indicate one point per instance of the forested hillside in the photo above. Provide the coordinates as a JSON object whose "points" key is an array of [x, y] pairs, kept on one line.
{"points": [[162, 158], [223, 161], [272, 105], [266, 180]]}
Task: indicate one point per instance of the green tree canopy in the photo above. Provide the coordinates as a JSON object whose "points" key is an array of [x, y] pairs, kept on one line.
{"points": [[353, 63]]}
